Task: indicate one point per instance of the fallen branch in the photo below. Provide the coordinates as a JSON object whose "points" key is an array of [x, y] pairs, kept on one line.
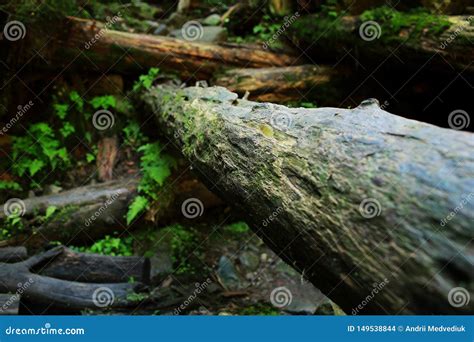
{"points": [[18, 277]]}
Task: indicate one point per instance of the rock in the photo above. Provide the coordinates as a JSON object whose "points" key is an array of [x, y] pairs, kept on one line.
{"points": [[161, 30], [228, 274], [212, 20], [249, 260], [52, 189], [263, 257], [208, 34]]}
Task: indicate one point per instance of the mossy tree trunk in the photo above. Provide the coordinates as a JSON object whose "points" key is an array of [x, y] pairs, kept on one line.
{"points": [[355, 199]]}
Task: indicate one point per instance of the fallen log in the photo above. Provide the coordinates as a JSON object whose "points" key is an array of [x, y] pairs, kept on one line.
{"points": [[281, 85], [86, 214], [9, 304], [358, 200], [82, 214], [95, 268], [441, 42], [18, 278], [83, 41], [13, 254]]}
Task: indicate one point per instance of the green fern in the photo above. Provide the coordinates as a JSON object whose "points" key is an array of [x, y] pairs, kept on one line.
{"points": [[146, 81]]}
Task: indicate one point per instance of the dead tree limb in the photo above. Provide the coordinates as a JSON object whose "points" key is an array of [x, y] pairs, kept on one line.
{"points": [[95, 268], [355, 199], [82, 41], [13, 254], [19, 278]]}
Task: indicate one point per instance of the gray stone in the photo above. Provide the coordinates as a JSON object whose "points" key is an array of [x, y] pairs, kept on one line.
{"points": [[161, 265], [228, 274], [161, 30], [249, 260], [212, 20]]}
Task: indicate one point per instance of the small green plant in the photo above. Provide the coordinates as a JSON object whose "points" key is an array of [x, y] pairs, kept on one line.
{"points": [[132, 135], [155, 168], [113, 246], [9, 185], [37, 150], [183, 244], [146, 81], [237, 228]]}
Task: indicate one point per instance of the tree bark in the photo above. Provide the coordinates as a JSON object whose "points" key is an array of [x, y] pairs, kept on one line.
{"points": [[13, 254], [358, 200], [83, 41], [9, 304], [375, 43], [96, 268], [279, 85], [18, 278], [88, 213]]}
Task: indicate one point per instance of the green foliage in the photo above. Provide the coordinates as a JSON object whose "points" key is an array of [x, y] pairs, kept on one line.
{"points": [[12, 225], [146, 81], [417, 20], [237, 228], [104, 102], [132, 135], [183, 244], [39, 149], [10, 185], [138, 205], [110, 246], [155, 168]]}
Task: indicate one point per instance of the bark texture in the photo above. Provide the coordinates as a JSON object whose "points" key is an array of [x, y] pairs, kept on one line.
{"points": [[82, 41], [277, 84], [19, 278], [360, 201], [95, 268]]}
